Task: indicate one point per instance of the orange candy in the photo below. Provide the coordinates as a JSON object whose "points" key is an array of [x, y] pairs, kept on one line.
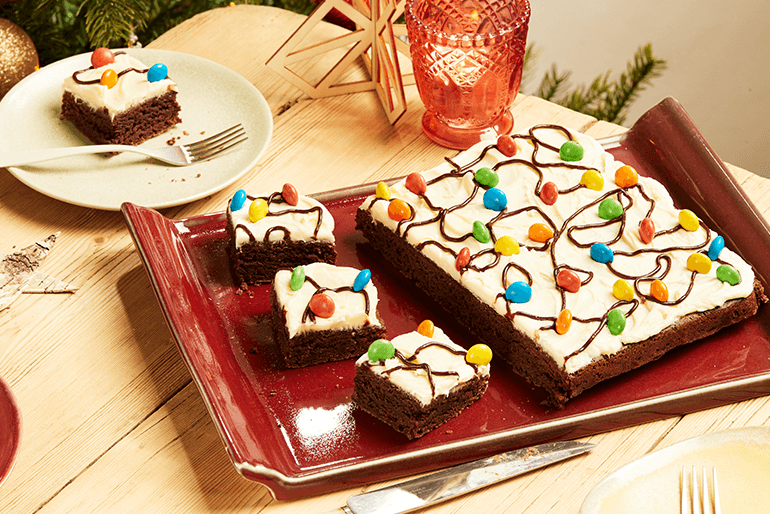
{"points": [[540, 232], [109, 78], [563, 321], [626, 176], [659, 290], [399, 210], [426, 328]]}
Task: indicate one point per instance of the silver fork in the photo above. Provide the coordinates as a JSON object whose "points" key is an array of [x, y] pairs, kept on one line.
{"points": [[178, 155], [695, 503]]}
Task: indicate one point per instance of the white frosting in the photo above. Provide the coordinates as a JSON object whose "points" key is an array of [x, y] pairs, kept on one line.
{"points": [[350, 306], [131, 89], [595, 299], [415, 381], [301, 225]]}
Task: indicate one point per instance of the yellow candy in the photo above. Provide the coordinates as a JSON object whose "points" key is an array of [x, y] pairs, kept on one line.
{"points": [[622, 290], [699, 262], [426, 328], [593, 180], [688, 220], [257, 210], [563, 321], [383, 191], [479, 354], [507, 246], [626, 176]]}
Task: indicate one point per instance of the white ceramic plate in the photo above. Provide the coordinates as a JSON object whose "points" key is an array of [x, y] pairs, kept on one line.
{"points": [[651, 484], [212, 98]]}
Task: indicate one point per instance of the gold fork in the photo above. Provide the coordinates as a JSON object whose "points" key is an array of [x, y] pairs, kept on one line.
{"points": [[692, 501]]}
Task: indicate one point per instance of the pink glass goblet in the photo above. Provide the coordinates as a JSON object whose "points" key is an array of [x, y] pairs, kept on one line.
{"points": [[467, 58]]}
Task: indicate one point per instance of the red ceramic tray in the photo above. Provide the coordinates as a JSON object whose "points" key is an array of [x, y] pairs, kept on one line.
{"points": [[297, 432], [10, 430]]}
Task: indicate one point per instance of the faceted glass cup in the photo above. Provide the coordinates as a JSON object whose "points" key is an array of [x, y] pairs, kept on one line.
{"points": [[467, 58]]}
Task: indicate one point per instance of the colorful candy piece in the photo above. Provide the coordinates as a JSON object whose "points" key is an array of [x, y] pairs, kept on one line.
{"points": [[239, 198], [495, 199], [399, 210], [415, 183], [716, 247], [362, 279], [549, 193], [568, 280], [659, 290], [109, 78], [609, 209], [616, 321], [297, 279], [486, 177], [727, 273], [563, 321], [507, 246], [626, 176], [593, 180], [571, 151], [699, 262], [479, 354], [426, 328], [600, 252], [322, 305], [540, 232], [463, 258], [289, 194], [518, 292], [102, 57], [647, 230], [481, 232], [157, 72], [257, 210], [622, 290], [688, 220], [381, 350], [507, 145], [382, 191]]}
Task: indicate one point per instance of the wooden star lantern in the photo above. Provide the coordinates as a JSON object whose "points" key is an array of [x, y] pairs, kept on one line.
{"points": [[374, 40]]}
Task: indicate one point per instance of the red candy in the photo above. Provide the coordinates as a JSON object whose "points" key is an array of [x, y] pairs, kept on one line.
{"points": [[322, 305], [463, 258], [102, 57], [568, 280], [416, 183], [507, 146], [290, 195], [647, 230], [549, 193]]}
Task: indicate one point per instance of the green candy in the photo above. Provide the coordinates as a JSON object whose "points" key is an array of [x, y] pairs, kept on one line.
{"points": [[381, 350], [616, 321], [728, 274], [609, 209], [481, 232], [571, 151], [486, 177], [297, 278]]}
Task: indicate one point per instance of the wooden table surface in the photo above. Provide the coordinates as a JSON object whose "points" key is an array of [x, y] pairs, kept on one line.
{"points": [[112, 421]]}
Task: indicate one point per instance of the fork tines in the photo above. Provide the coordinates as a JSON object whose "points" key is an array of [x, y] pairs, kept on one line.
{"points": [[211, 146], [698, 500]]}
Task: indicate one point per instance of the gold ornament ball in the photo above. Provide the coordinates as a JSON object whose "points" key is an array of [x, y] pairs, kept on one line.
{"points": [[18, 56]]}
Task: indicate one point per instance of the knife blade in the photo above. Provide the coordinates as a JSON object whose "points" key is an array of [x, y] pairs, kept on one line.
{"points": [[442, 485]]}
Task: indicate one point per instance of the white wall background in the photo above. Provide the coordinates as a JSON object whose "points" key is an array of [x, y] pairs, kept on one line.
{"points": [[717, 52]]}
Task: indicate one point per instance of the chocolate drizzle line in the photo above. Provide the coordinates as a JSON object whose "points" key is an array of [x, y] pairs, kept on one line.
{"points": [[97, 81], [623, 196], [277, 199], [408, 363]]}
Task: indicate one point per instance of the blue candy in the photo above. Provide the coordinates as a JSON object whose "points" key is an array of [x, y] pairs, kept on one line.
{"points": [[362, 279], [157, 73], [518, 292], [239, 198], [716, 247], [495, 199], [600, 252]]}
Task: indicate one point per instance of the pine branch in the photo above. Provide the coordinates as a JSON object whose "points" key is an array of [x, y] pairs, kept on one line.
{"points": [[552, 82], [584, 98]]}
